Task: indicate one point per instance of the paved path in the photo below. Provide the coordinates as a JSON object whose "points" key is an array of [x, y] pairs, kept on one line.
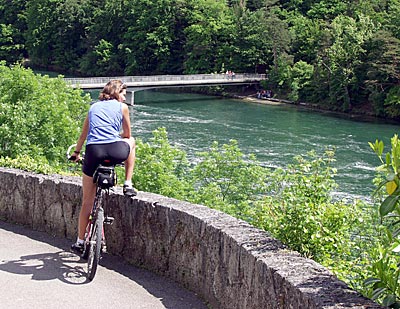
{"points": [[38, 271]]}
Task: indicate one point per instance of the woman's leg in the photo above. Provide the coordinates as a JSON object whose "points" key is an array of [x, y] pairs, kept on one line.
{"points": [[130, 161], [89, 192]]}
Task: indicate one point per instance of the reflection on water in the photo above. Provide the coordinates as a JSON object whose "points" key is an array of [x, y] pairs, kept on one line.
{"points": [[275, 134]]}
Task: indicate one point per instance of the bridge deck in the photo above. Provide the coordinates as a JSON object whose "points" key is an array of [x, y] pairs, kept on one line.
{"points": [[158, 81]]}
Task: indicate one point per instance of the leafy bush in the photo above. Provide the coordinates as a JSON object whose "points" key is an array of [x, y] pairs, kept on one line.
{"points": [[383, 283], [27, 163], [39, 116], [299, 209], [227, 180], [160, 167]]}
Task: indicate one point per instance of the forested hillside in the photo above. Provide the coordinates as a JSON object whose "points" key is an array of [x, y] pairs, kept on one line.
{"points": [[341, 54]]}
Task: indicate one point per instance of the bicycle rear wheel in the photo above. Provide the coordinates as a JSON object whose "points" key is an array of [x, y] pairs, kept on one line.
{"points": [[95, 245]]}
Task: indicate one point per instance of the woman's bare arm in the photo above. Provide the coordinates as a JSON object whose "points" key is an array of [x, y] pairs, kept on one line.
{"points": [[126, 122], [84, 133]]}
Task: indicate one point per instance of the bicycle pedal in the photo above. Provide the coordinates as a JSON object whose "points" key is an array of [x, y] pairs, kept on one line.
{"points": [[108, 220]]}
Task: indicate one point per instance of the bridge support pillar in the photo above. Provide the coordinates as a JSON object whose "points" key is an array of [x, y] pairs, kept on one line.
{"points": [[132, 97]]}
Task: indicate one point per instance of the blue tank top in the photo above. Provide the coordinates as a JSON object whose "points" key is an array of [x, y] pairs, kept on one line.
{"points": [[105, 122]]}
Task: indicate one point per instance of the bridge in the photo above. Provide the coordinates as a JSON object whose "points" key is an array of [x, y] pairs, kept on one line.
{"points": [[160, 81], [136, 83]]}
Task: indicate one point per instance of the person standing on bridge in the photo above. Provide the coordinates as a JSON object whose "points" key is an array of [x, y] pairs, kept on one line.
{"points": [[104, 140]]}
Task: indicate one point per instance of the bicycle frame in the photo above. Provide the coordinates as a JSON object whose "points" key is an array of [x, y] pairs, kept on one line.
{"points": [[97, 205], [94, 235]]}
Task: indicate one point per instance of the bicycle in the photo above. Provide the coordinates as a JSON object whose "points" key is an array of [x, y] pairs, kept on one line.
{"points": [[94, 240]]}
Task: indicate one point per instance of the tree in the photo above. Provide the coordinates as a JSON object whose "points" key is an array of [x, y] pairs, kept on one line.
{"points": [[301, 75], [327, 10], [55, 33], [106, 24], [210, 25], [316, 9], [279, 36], [344, 55], [307, 37], [383, 73], [250, 45], [12, 30], [154, 42], [161, 168], [393, 20], [9, 50]]}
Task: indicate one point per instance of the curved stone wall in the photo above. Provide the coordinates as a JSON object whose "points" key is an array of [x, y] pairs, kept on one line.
{"points": [[227, 262]]}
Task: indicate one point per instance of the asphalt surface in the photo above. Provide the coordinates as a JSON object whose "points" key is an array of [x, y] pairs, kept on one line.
{"points": [[39, 271]]}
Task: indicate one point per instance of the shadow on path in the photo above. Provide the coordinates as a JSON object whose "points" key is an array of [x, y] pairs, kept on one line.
{"points": [[70, 269], [48, 266]]}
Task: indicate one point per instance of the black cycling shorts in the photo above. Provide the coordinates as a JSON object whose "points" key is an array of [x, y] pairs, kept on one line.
{"points": [[95, 154]]}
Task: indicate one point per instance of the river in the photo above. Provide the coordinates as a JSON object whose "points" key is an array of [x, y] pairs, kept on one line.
{"points": [[275, 134]]}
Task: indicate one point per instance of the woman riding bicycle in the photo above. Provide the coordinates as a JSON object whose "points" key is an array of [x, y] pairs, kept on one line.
{"points": [[104, 141]]}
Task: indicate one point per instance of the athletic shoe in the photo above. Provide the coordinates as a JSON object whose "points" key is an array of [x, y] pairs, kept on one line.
{"points": [[129, 190], [78, 248]]}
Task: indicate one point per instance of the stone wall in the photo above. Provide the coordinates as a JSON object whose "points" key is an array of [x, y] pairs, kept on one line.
{"points": [[227, 262]]}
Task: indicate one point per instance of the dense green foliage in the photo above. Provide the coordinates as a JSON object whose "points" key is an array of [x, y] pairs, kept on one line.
{"points": [[301, 213], [160, 167], [384, 271], [343, 55], [39, 116]]}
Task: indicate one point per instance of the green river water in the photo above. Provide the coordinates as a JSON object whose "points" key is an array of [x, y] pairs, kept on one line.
{"points": [[275, 134]]}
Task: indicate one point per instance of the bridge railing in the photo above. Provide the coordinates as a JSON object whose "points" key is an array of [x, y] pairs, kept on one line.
{"points": [[158, 78]]}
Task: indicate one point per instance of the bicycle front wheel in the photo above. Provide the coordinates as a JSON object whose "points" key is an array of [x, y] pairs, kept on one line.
{"points": [[86, 247], [95, 245]]}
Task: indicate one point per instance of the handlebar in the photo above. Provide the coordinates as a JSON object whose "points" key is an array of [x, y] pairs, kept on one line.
{"points": [[73, 156]]}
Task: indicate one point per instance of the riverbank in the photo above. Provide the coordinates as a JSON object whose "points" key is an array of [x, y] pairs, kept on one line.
{"points": [[354, 115], [248, 94]]}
